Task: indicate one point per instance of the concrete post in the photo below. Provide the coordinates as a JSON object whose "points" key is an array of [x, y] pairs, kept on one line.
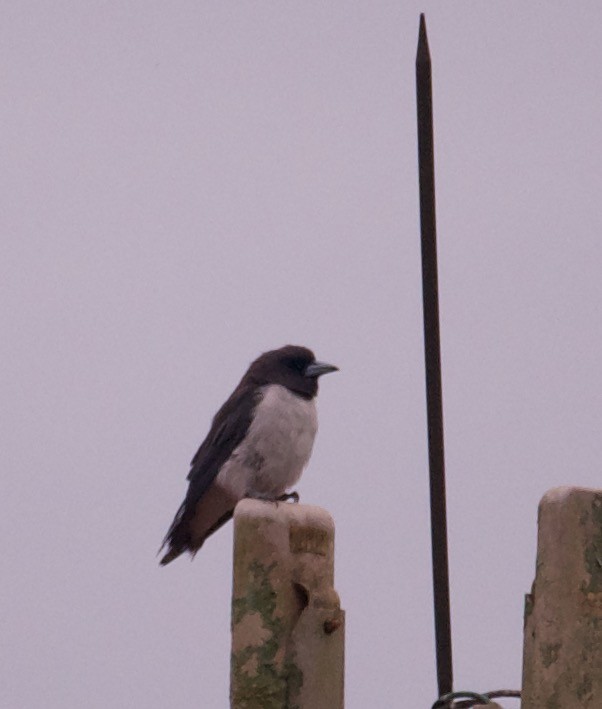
{"points": [[288, 628], [562, 663]]}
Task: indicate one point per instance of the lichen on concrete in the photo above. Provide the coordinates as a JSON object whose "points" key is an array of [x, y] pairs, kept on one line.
{"points": [[260, 679], [549, 653], [260, 596], [563, 619], [281, 656], [529, 605], [593, 550], [584, 688]]}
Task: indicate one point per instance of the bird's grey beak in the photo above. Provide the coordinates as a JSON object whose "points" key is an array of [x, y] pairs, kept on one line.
{"points": [[317, 369]]}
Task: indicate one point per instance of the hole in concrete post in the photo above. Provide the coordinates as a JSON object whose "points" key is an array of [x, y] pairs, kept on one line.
{"points": [[301, 597]]}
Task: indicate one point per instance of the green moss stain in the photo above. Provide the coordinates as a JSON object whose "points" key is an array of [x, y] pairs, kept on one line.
{"points": [[260, 597], [261, 680], [295, 682], [264, 689]]}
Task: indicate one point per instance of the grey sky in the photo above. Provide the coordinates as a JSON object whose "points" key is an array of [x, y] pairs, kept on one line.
{"points": [[188, 184]]}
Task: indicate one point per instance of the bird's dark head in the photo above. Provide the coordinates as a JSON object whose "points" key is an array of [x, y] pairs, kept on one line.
{"points": [[292, 366]]}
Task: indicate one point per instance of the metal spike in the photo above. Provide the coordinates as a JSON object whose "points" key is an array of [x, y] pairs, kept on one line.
{"points": [[432, 353]]}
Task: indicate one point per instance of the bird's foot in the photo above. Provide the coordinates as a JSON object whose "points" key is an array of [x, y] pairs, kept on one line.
{"points": [[263, 498], [292, 496]]}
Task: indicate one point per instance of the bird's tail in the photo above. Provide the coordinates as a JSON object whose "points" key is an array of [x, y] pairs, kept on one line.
{"points": [[175, 549], [170, 556]]}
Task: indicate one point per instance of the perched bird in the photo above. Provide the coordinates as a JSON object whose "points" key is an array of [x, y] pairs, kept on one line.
{"points": [[258, 444]]}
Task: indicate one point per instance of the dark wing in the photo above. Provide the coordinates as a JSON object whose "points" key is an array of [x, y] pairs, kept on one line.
{"points": [[228, 428]]}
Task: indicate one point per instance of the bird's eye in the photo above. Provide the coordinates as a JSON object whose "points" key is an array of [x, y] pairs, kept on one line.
{"points": [[296, 364]]}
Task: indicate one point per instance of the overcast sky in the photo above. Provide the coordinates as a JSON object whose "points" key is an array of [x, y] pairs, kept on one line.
{"points": [[188, 184]]}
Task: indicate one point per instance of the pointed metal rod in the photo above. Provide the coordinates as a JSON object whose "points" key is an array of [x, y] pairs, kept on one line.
{"points": [[432, 356]]}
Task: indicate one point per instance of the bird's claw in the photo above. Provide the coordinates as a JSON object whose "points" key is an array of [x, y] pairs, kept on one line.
{"points": [[293, 496]]}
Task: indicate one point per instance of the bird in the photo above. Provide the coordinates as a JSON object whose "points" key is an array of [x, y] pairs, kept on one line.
{"points": [[258, 444]]}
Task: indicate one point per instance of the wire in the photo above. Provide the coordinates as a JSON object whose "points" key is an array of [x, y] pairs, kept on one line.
{"points": [[473, 698]]}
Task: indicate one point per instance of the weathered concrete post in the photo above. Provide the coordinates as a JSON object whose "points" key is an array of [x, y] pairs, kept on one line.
{"points": [[287, 623], [562, 663]]}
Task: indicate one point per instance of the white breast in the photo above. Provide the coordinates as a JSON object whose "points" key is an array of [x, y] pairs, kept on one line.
{"points": [[276, 448]]}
